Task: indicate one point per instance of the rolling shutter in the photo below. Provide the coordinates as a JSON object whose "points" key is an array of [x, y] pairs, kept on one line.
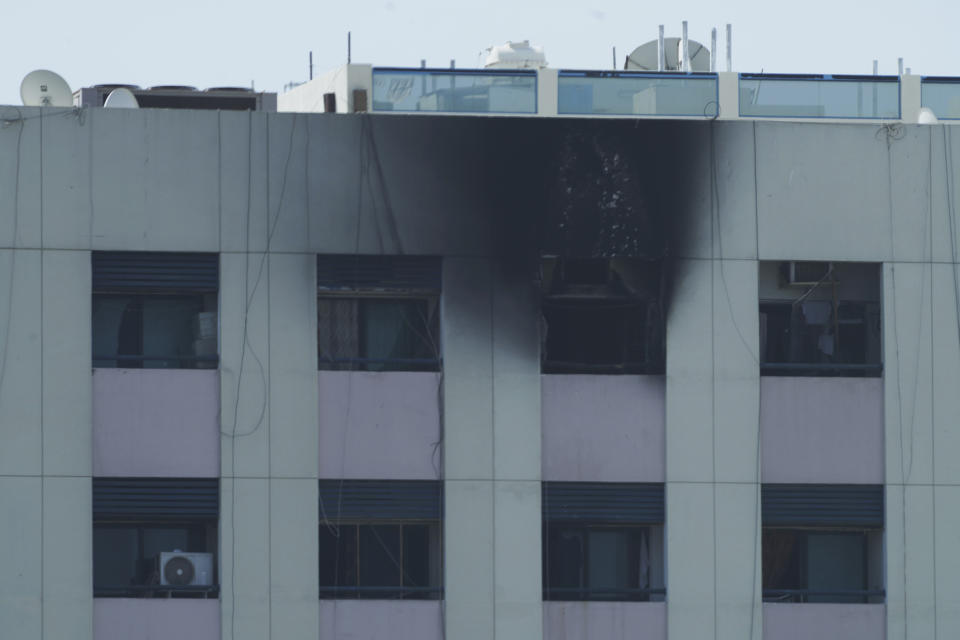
{"points": [[155, 272], [373, 273], [822, 505], [156, 498], [614, 502], [380, 500]]}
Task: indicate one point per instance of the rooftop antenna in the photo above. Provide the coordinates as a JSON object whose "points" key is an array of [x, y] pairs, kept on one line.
{"points": [[661, 52], [686, 50], [349, 46], [311, 65], [729, 47], [42, 88], [713, 50]]}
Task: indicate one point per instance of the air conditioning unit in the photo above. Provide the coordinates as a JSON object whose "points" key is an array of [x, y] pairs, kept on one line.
{"points": [[808, 274], [181, 569]]}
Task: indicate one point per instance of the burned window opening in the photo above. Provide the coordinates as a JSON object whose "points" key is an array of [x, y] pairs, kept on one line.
{"points": [[601, 316]]}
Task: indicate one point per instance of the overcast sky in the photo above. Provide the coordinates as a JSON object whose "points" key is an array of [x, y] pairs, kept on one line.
{"points": [[206, 43]]}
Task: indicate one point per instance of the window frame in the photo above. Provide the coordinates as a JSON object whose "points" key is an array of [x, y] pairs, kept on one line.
{"points": [[802, 593], [584, 592], [383, 592]]}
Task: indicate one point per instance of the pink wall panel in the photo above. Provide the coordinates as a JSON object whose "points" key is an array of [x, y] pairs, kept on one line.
{"points": [[822, 430], [783, 621], [155, 619], [603, 428], [380, 620], [379, 425], [606, 620], [156, 422]]}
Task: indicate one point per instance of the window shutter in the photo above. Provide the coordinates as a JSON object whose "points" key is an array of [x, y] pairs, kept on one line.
{"points": [[155, 272], [603, 502], [822, 505], [380, 500], [378, 273], [156, 498]]}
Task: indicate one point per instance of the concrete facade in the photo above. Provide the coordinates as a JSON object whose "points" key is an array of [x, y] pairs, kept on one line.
{"points": [[270, 191]]}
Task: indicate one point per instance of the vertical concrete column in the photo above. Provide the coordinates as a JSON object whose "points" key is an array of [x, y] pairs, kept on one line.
{"points": [[66, 446], [547, 92], [910, 97], [491, 452], [713, 537], [728, 95], [245, 453], [294, 442], [909, 433]]}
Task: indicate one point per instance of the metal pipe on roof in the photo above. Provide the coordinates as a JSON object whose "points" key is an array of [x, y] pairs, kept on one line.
{"points": [[686, 49], [729, 47], [713, 50], [899, 66], [661, 54]]}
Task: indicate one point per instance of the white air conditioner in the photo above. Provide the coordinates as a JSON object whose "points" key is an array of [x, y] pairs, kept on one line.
{"points": [[181, 569], [808, 274]]}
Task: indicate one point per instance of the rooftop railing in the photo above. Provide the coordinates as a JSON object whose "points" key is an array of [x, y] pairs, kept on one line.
{"points": [[819, 96], [455, 90], [942, 96], [624, 93]]}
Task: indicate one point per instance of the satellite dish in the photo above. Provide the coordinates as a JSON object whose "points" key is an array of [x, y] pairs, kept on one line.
{"points": [[645, 57], [121, 98], [927, 116], [42, 88]]}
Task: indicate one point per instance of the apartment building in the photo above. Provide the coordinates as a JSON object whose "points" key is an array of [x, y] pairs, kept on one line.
{"points": [[366, 375]]}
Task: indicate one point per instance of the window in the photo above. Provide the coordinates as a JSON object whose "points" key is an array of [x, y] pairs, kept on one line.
{"points": [[155, 537], [155, 310], [823, 543], [380, 539], [601, 316], [820, 319], [603, 541], [378, 313]]}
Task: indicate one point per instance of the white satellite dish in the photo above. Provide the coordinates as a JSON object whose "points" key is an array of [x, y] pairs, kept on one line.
{"points": [[645, 57], [121, 98], [42, 88], [927, 116]]}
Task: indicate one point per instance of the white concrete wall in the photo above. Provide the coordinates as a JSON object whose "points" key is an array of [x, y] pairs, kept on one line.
{"points": [[603, 428], [712, 452], [381, 620], [784, 621], [608, 620], [147, 619], [491, 452], [822, 430], [380, 425], [156, 422]]}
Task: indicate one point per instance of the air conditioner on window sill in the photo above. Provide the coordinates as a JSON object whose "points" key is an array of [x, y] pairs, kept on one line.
{"points": [[808, 274], [182, 569]]}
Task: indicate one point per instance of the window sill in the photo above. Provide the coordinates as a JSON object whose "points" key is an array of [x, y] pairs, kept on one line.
{"points": [[158, 591], [820, 370]]}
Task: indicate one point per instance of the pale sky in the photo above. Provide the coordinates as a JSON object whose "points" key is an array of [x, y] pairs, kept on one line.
{"points": [[206, 43]]}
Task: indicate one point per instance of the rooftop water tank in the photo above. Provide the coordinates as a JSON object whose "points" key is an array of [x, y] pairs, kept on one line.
{"points": [[516, 55]]}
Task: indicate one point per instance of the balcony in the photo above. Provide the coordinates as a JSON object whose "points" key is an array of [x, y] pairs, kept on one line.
{"points": [[942, 96], [819, 96], [455, 91], [626, 93]]}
